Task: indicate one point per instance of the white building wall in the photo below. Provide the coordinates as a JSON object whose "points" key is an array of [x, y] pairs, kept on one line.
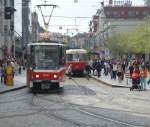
{"points": [[108, 27], [122, 25], [18, 16]]}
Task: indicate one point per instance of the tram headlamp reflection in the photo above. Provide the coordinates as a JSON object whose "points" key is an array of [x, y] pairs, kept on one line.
{"points": [[55, 76], [37, 76]]}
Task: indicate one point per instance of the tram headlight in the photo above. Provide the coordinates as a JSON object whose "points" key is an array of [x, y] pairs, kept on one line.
{"points": [[55, 76], [37, 76]]}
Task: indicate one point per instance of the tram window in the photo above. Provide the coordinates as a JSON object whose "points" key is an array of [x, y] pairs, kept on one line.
{"points": [[83, 57], [32, 52], [76, 57], [62, 56], [69, 57], [46, 57]]}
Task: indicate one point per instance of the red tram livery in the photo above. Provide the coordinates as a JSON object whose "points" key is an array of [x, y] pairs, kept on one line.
{"points": [[77, 58], [46, 62]]}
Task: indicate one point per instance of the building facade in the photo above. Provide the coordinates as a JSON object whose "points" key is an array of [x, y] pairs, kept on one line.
{"points": [[18, 28], [6, 29], [117, 20], [35, 27], [26, 23]]}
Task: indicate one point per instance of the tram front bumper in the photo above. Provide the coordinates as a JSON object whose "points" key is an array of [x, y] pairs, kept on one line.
{"points": [[44, 85]]}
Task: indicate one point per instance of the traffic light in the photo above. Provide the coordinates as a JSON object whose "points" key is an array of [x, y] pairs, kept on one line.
{"points": [[8, 12]]}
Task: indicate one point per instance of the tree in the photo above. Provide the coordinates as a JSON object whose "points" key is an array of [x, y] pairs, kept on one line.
{"points": [[136, 41], [116, 44]]}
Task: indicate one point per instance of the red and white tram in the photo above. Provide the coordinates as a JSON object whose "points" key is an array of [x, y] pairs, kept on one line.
{"points": [[78, 60], [46, 65]]}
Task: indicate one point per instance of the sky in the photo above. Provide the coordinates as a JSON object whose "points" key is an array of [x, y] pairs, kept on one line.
{"points": [[18, 17], [67, 10]]}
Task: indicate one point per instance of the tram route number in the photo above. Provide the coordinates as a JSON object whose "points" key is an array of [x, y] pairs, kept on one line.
{"points": [[45, 86]]}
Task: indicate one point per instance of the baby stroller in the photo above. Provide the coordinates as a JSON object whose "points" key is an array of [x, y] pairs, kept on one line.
{"points": [[136, 80], [135, 84]]}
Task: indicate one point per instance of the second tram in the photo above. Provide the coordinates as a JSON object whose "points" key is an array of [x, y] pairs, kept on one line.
{"points": [[78, 59], [45, 68]]}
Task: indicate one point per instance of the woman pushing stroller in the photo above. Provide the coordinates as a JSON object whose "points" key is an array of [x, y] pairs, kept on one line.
{"points": [[139, 78], [136, 77]]}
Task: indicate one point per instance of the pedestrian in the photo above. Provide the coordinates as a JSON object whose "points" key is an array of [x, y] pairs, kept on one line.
{"points": [[110, 69], [98, 68], [70, 71], [9, 74], [2, 74], [148, 68], [131, 68], [94, 67], [19, 70], [88, 70], [114, 70], [144, 74], [136, 77], [119, 72]]}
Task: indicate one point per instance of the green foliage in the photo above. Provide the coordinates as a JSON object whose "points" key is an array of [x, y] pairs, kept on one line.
{"points": [[136, 41]]}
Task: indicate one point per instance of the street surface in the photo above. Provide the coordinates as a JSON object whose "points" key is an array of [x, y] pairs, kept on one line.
{"points": [[81, 103]]}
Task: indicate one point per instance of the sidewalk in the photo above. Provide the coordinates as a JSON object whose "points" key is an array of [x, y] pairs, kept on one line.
{"points": [[111, 82], [19, 83]]}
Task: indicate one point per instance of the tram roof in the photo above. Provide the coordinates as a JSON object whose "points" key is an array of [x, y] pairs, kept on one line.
{"points": [[74, 51]]}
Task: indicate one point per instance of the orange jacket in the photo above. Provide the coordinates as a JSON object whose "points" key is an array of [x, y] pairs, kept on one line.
{"points": [[144, 73]]}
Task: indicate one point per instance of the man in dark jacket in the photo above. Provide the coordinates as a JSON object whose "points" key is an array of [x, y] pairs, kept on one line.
{"points": [[98, 68]]}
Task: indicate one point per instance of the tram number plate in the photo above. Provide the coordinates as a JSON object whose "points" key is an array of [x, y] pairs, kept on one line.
{"points": [[45, 86]]}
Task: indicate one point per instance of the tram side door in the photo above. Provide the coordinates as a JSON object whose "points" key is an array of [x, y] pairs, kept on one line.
{"points": [[30, 61]]}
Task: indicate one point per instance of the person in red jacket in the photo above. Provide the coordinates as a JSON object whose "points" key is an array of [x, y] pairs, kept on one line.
{"points": [[136, 78]]}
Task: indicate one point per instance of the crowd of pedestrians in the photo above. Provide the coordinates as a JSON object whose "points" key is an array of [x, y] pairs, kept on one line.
{"points": [[117, 70], [14, 64]]}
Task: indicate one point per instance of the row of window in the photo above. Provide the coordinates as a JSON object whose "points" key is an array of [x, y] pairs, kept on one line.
{"points": [[129, 13]]}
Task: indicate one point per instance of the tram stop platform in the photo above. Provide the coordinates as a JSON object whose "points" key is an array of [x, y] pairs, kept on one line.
{"points": [[126, 83], [19, 83]]}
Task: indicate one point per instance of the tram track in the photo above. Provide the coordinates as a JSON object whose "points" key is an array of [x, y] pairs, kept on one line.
{"points": [[53, 112], [112, 100], [99, 98], [77, 108]]}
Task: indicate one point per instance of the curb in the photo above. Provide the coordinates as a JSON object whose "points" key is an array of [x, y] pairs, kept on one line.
{"points": [[13, 89], [108, 84]]}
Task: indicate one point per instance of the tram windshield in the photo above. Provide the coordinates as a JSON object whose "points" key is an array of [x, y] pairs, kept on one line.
{"points": [[46, 57], [76, 57]]}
